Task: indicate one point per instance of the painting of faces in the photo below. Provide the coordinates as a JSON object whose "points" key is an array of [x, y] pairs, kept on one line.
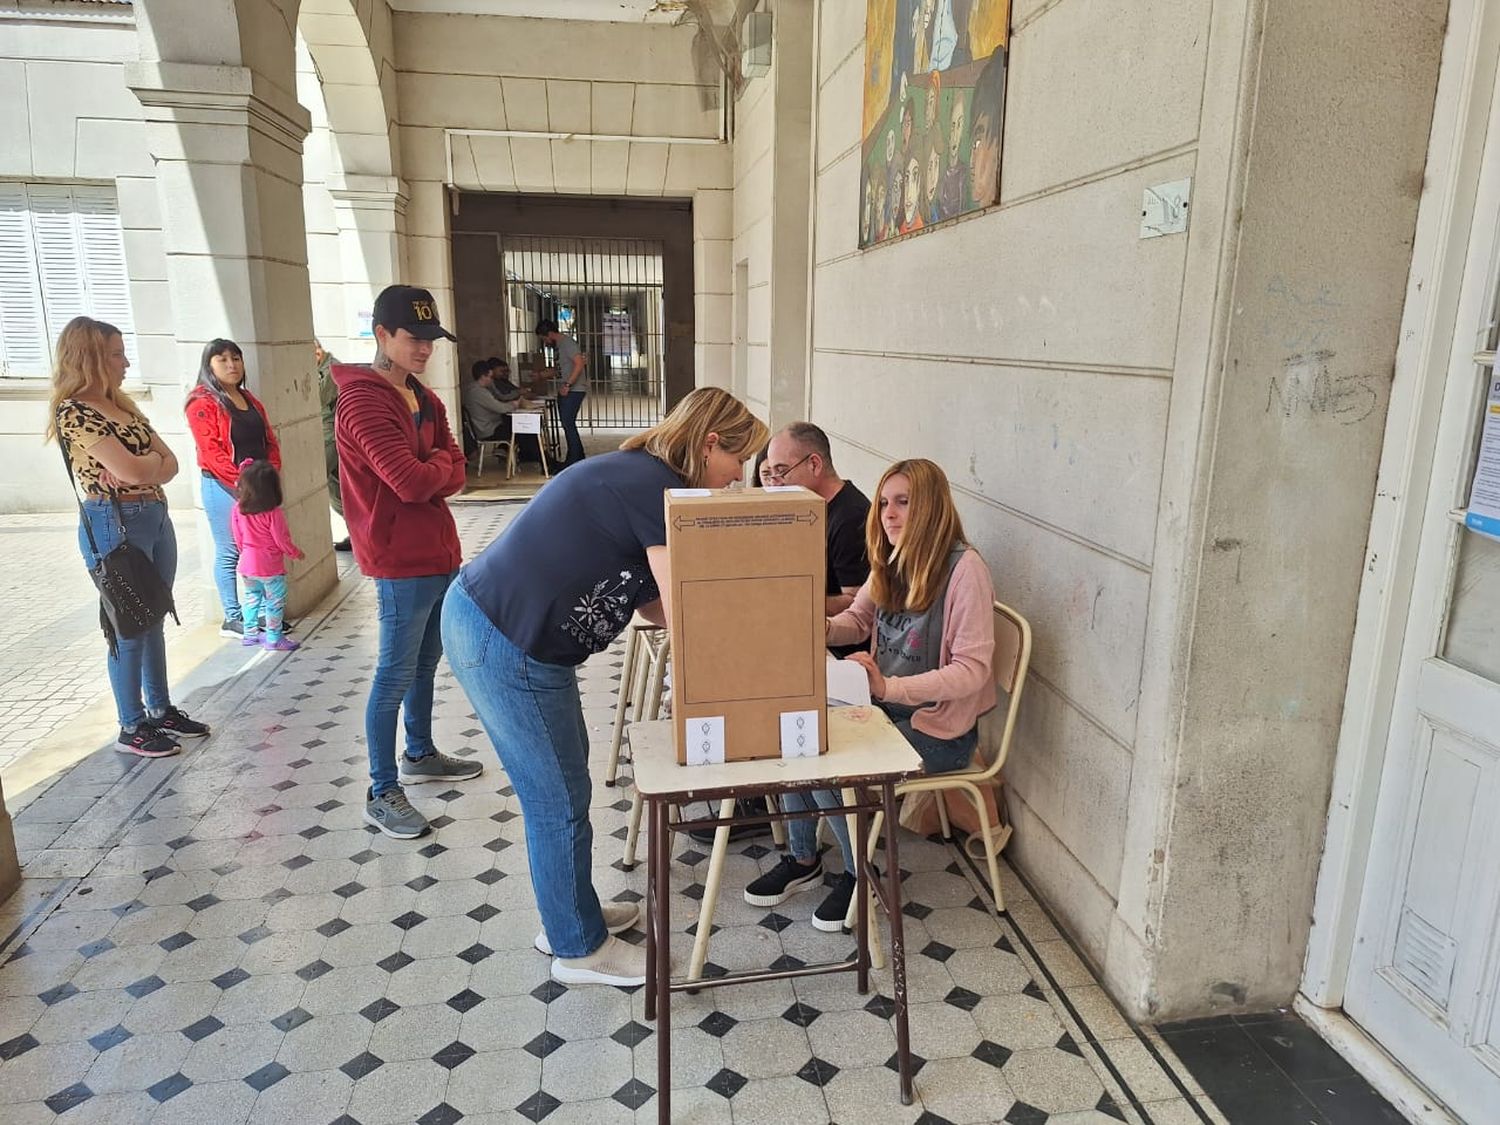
{"points": [[934, 102]]}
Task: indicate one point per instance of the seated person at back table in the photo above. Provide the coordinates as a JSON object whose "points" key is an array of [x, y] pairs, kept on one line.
{"points": [[500, 383], [927, 614], [485, 410]]}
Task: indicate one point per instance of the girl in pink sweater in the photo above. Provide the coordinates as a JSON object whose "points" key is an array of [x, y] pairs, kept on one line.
{"points": [[265, 543], [927, 611]]}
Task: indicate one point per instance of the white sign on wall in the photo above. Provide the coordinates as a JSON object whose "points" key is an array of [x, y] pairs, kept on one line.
{"points": [[364, 326], [1164, 208]]}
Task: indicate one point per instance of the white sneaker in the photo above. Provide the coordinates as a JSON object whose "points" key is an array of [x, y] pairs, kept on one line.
{"points": [[618, 917], [615, 962]]}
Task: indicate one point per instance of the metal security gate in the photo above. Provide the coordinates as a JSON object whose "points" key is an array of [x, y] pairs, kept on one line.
{"points": [[607, 294]]}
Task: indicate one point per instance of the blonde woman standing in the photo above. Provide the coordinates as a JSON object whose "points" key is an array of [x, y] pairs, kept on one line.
{"points": [[119, 464], [559, 585]]}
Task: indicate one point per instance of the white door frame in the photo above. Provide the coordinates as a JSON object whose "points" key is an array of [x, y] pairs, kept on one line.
{"points": [[1466, 84]]}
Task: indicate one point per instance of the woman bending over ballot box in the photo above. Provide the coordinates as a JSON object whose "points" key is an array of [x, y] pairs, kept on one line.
{"points": [[927, 612], [559, 585]]}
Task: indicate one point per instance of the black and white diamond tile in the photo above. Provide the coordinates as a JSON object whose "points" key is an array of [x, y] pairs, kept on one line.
{"points": [[251, 947]]}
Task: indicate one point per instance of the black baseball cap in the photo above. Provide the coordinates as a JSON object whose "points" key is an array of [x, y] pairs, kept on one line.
{"points": [[405, 306]]}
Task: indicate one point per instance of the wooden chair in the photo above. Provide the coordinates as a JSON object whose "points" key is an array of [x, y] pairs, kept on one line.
{"points": [[641, 678], [1011, 661]]}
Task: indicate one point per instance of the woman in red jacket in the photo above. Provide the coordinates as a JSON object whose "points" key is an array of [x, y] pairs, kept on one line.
{"points": [[229, 425]]}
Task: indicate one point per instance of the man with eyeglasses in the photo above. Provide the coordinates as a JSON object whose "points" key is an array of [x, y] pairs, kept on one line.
{"points": [[799, 455]]}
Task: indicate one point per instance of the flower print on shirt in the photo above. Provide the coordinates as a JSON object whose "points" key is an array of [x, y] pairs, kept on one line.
{"points": [[602, 612]]}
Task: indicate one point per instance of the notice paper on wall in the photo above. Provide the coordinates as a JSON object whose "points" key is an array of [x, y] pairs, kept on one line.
{"points": [[705, 741], [799, 734], [1484, 497], [848, 684]]}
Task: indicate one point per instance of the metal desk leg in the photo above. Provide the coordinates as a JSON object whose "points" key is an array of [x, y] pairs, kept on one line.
{"points": [[898, 942], [653, 937], [711, 891], [862, 918], [662, 873]]}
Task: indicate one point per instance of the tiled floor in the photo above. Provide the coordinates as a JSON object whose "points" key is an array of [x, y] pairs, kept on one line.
{"points": [[1272, 1068], [242, 949]]}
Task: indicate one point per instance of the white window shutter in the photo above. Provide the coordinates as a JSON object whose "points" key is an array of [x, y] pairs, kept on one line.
{"points": [[59, 254], [106, 279], [24, 345]]}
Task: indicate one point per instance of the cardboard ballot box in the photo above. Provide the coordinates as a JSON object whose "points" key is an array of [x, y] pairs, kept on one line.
{"points": [[747, 606]]}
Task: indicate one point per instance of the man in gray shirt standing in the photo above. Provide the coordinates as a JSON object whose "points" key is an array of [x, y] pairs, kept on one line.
{"points": [[572, 384]]}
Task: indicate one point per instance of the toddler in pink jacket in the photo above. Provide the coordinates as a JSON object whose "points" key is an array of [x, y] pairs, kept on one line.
{"points": [[265, 543]]}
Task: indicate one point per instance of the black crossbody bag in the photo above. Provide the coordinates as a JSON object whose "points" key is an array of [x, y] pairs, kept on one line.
{"points": [[133, 596]]}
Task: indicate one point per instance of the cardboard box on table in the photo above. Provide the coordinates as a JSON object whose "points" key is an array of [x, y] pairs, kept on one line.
{"points": [[747, 572]]}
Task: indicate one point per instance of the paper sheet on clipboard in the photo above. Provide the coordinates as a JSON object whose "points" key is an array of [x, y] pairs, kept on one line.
{"points": [[848, 684]]}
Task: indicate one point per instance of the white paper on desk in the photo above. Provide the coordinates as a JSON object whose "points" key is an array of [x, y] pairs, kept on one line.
{"points": [[705, 741], [848, 684], [799, 734]]}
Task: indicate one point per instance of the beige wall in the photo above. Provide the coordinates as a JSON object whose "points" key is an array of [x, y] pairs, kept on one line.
{"points": [[66, 115], [1109, 446], [538, 76], [772, 181]]}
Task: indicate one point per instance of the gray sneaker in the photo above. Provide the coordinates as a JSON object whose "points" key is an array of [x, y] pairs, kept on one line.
{"points": [[437, 766], [393, 814]]}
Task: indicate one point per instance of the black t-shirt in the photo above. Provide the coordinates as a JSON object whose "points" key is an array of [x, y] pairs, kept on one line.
{"points": [[564, 579], [247, 433], [847, 564]]}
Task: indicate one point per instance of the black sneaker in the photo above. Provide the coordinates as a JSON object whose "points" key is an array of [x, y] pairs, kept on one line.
{"points": [[343, 545], [235, 628], [177, 724], [830, 915], [783, 881], [147, 742], [738, 832]]}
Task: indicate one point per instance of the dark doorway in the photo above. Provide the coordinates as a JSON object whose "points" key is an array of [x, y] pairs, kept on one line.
{"points": [[617, 274]]}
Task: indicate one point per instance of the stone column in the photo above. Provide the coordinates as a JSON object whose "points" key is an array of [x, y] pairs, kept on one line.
{"points": [[371, 214], [10, 862], [228, 149]]}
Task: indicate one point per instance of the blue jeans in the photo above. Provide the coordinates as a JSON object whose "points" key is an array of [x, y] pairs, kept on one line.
{"points": [[140, 664], [939, 755], [568, 406], [411, 644], [218, 503], [534, 719]]}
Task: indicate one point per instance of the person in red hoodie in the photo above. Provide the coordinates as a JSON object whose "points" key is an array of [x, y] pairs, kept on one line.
{"points": [[229, 426], [398, 462]]}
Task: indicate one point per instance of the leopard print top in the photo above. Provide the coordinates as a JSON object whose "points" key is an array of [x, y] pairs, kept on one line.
{"points": [[83, 426]]}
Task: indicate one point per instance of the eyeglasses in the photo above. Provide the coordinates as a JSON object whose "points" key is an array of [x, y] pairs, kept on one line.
{"points": [[781, 472]]}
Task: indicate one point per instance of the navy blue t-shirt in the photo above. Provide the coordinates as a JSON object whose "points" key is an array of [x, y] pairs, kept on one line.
{"points": [[563, 580]]}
